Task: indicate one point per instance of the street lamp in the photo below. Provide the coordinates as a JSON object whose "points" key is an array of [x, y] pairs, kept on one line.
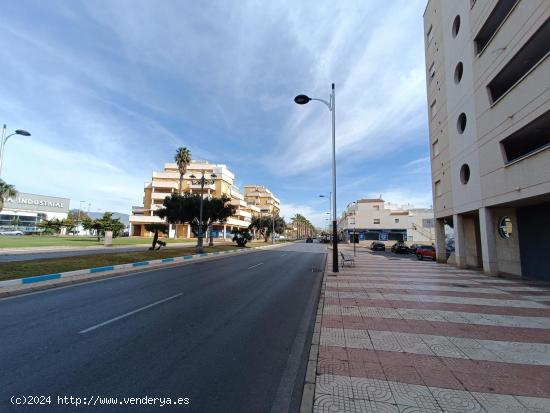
{"points": [[5, 139], [331, 105], [200, 236], [80, 209]]}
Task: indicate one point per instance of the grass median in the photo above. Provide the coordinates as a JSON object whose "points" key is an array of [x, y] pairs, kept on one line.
{"points": [[21, 269], [76, 241]]}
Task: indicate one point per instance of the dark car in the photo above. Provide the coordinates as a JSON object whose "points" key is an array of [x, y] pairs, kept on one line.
{"points": [[309, 240], [425, 251], [399, 248], [377, 246]]}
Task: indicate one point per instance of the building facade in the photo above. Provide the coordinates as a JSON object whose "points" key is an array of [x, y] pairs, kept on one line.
{"points": [[488, 89], [377, 220], [219, 181], [24, 211], [263, 198]]}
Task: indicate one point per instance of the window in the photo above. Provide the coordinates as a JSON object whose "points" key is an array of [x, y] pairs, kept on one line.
{"points": [[465, 174], [493, 23], [428, 222], [431, 71], [531, 138], [430, 35], [461, 123], [459, 69], [435, 148], [376, 207], [376, 221], [437, 188], [505, 227], [456, 26], [433, 109], [396, 220], [532, 52]]}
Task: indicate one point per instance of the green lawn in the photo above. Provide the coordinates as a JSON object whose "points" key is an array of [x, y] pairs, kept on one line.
{"points": [[74, 241], [20, 269]]}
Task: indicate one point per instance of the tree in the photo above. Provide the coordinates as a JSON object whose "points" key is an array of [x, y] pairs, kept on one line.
{"points": [[16, 222], [241, 236], [69, 224], [264, 226], [6, 191], [185, 209], [51, 226], [183, 159], [156, 228], [78, 215], [105, 223]]}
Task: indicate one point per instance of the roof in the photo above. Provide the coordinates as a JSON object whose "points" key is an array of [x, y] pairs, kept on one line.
{"points": [[368, 200]]}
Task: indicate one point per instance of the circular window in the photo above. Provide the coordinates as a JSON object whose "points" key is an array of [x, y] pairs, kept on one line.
{"points": [[505, 227], [456, 25], [464, 174], [461, 123], [458, 72]]}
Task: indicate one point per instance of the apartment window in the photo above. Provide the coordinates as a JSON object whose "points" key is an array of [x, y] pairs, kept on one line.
{"points": [[431, 71], [430, 35], [493, 23], [433, 109], [437, 188], [435, 148], [464, 173], [459, 70], [376, 221], [461, 123], [456, 26], [532, 52], [531, 138], [376, 207], [396, 220]]}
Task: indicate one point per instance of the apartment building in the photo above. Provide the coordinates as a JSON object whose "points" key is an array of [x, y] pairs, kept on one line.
{"points": [[377, 220], [219, 181], [263, 198], [488, 89]]}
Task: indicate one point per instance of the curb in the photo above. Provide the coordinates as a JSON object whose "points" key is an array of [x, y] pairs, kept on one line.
{"points": [[116, 269], [308, 393]]}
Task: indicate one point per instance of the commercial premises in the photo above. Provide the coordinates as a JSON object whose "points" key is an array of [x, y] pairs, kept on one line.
{"points": [[377, 220], [24, 211], [166, 182], [488, 88]]}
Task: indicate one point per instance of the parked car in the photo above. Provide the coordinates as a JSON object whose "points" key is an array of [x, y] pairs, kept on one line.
{"points": [[377, 246], [413, 247], [399, 248], [309, 240], [425, 251], [13, 232]]}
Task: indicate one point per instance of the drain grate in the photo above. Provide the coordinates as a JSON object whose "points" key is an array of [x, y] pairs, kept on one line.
{"points": [[460, 285], [316, 270]]}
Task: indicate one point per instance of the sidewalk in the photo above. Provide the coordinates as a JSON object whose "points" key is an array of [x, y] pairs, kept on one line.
{"points": [[400, 335]]}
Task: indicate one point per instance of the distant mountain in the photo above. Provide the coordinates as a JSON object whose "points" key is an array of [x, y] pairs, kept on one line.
{"points": [[124, 218]]}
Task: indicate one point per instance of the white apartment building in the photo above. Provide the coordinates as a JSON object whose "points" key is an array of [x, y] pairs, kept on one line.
{"points": [[377, 220], [488, 89], [219, 181]]}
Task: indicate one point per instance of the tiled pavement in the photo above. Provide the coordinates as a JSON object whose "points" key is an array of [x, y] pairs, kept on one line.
{"points": [[399, 335]]}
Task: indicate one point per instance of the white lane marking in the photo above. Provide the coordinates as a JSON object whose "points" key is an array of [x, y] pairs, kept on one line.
{"points": [[112, 320], [257, 265], [282, 255]]}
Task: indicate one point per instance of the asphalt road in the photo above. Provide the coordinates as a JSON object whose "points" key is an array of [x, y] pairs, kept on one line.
{"points": [[231, 335]]}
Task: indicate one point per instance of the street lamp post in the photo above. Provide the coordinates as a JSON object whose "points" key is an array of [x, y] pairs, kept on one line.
{"points": [[331, 105], [5, 139], [200, 235], [79, 209]]}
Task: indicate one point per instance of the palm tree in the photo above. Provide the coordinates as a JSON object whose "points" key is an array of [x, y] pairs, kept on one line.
{"points": [[6, 191], [183, 159]]}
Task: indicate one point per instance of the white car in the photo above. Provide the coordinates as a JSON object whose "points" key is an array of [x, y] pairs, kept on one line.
{"points": [[13, 232]]}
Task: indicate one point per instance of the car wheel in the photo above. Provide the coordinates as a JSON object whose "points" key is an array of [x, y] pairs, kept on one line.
{"points": [[419, 256]]}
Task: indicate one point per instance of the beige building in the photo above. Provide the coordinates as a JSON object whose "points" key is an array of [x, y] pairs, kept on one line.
{"points": [[377, 220], [488, 88], [219, 181], [263, 198]]}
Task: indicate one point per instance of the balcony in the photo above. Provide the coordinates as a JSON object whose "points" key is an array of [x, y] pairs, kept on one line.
{"points": [[237, 222], [145, 219], [243, 213], [159, 195], [208, 184], [166, 175], [165, 184]]}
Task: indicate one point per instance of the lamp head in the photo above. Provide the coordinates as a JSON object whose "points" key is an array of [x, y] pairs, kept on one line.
{"points": [[302, 99], [22, 132], [192, 176]]}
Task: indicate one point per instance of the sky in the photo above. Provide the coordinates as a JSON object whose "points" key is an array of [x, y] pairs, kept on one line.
{"points": [[110, 89]]}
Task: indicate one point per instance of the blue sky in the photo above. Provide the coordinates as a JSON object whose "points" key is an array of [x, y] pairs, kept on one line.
{"points": [[109, 90]]}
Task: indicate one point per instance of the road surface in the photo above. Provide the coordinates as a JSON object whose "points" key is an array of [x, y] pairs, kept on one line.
{"points": [[230, 335]]}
